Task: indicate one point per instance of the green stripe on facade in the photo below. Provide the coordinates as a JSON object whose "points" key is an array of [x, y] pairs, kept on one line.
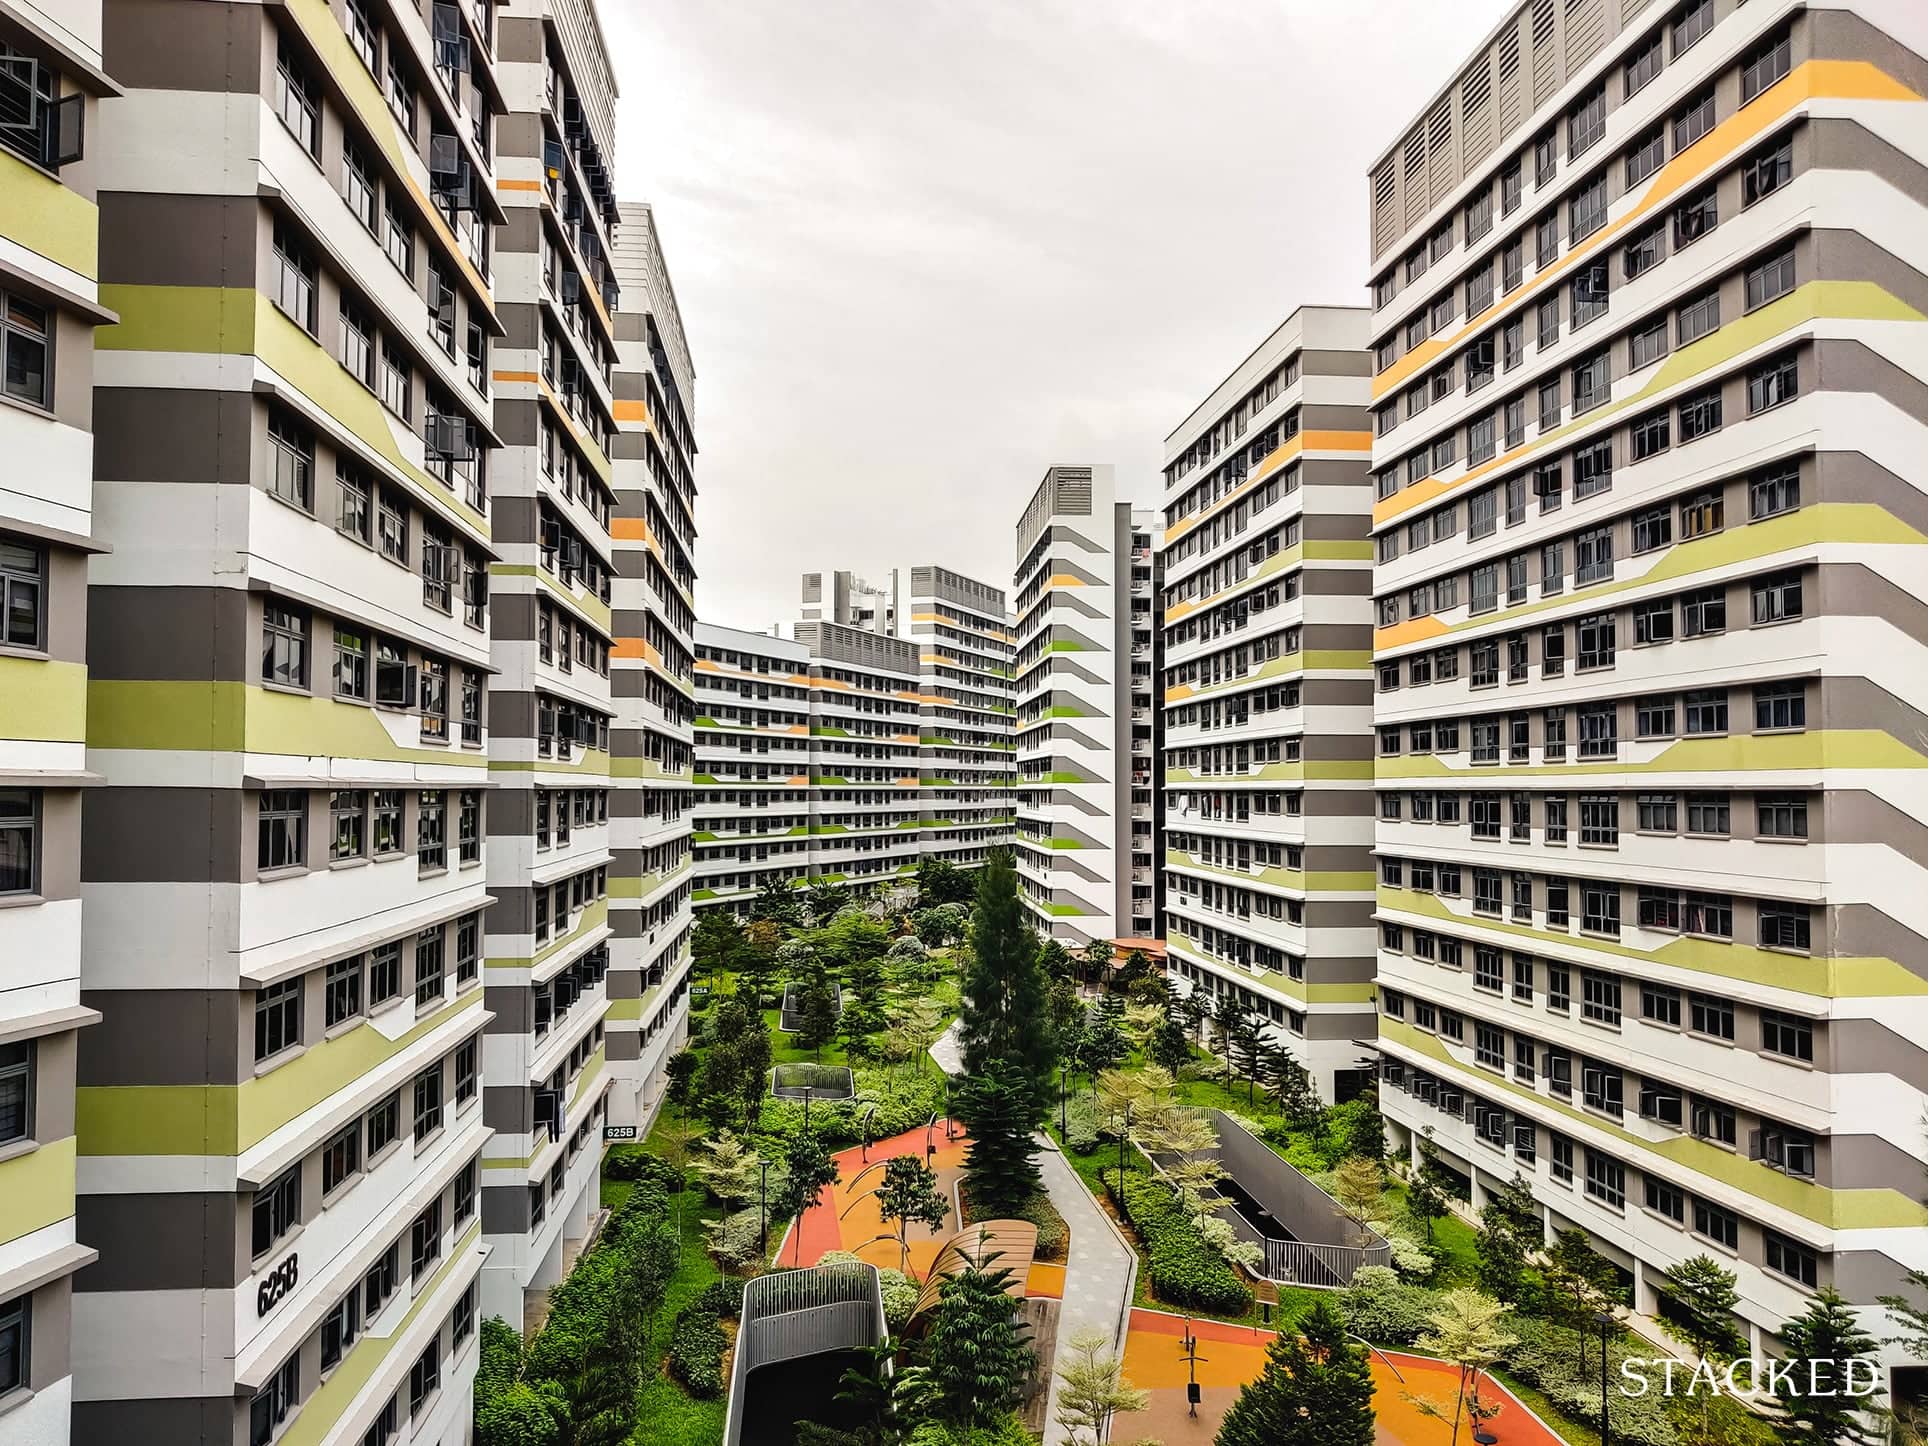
{"points": [[50, 219], [1327, 769], [1319, 881], [227, 1119], [1839, 1209], [37, 1189], [1855, 748], [239, 717], [43, 701], [1828, 978]]}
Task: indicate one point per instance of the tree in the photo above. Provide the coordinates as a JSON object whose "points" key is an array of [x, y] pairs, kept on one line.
{"points": [[1581, 1284], [754, 1059], [808, 1167], [1067, 1021], [1511, 1233], [975, 1360], [719, 1086], [1359, 1186], [818, 1025], [1000, 1166], [939, 881], [1169, 1045], [1194, 1007], [1092, 1387], [1814, 1392], [1291, 1087], [1136, 967], [680, 1076], [1096, 957], [1054, 959], [909, 1193], [718, 942], [1006, 1015], [729, 1170], [756, 962], [1226, 1014], [1248, 1049], [777, 900], [853, 939], [1316, 1390], [1427, 1193], [1468, 1329], [1702, 1293], [1103, 1043], [824, 898]]}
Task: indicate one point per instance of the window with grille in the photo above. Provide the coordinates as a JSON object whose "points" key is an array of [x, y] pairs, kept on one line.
{"points": [[1765, 63]]}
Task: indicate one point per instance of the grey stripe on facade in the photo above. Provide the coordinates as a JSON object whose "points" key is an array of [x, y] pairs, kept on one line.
{"points": [[128, 1228], [160, 1420], [1318, 362], [164, 1037], [185, 634]]}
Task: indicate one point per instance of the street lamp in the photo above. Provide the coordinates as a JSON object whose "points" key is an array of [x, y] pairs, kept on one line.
{"points": [[1605, 1322], [1125, 1129]]}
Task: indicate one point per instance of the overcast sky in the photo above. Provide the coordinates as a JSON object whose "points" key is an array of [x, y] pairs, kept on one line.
{"points": [[926, 248]]}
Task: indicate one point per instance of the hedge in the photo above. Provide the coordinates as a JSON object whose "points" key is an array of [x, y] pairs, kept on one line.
{"points": [[697, 1339], [640, 1165], [1184, 1269]]}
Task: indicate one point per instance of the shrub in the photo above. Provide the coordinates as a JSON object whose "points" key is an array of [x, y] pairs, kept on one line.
{"points": [[1081, 1126], [900, 1297], [697, 1340], [908, 950], [1054, 1236], [641, 1165], [1184, 1270], [737, 1238], [1008, 1432], [1381, 1307], [1547, 1356]]}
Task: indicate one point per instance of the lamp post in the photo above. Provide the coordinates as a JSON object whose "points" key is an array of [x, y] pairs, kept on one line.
{"points": [[1125, 1129], [1605, 1322], [763, 1206]]}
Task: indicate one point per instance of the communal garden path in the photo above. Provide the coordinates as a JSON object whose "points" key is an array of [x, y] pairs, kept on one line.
{"points": [[1099, 1273]]}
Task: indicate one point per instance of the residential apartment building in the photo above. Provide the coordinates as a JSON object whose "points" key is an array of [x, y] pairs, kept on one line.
{"points": [[1267, 694], [652, 677], [280, 1114], [550, 705], [1087, 726], [1648, 312], [51, 83], [809, 760], [963, 632]]}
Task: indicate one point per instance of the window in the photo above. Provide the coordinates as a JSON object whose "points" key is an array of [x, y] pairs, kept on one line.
{"points": [[1693, 21], [1600, 909], [277, 1209], [1664, 1199], [357, 344], [1698, 317], [342, 992], [1587, 122], [1693, 120], [1592, 470], [1653, 527], [16, 1095], [1653, 622], [1776, 598], [1649, 345], [1593, 557], [1707, 813], [291, 459], [1659, 812], [1699, 415], [1780, 706], [1599, 997], [1599, 819], [1642, 65], [1603, 1088], [356, 517], [1781, 815], [341, 1157], [1660, 1004], [283, 830], [1770, 280], [466, 1074], [1767, 172], [1606, 1179], [1703, 612], [431, 830], [384, 1128], [19, 840], [1785, 926], [1657, 909], [284, 645], [294, 277], [295, 100], [428, 1115], [425, 1241], [358, 181], [383, 1430], [1788, 1035], [274, 1402], [22, 593], [1702, 513], [1695, 217], [387, 814], [391, 383], [1560, 1158], [379, 1284], [430, 965], [1723, 1227], [1789, 1257], [1587, 211], [1589, 293], [398, 241], [1766, 63], [26, 336], [1771, 384], [1774, 492], [425, 1378], [468, 826], [1711, 1016], [277, 1019], [339, 1328]]}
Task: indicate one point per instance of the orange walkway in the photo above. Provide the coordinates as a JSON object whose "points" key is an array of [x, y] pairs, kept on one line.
{"points": [[1230, 1356], [845, 1216]]}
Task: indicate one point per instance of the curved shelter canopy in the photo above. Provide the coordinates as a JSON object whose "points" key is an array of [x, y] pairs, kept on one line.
{"points": [[989, 1244]]}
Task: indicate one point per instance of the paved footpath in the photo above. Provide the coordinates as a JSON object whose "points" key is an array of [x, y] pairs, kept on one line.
{"points": [[1099, 1276]]}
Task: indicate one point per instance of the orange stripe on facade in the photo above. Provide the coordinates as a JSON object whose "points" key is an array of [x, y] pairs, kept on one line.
{"points": [[1811, 80], [630, 648], [632, 409], [1318, 440], [1413, 630], [504, 184], [515, 376]]}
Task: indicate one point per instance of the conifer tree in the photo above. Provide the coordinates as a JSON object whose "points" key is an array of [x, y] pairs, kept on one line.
{"points": [[1006, 1015], [1316, 1390]]}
